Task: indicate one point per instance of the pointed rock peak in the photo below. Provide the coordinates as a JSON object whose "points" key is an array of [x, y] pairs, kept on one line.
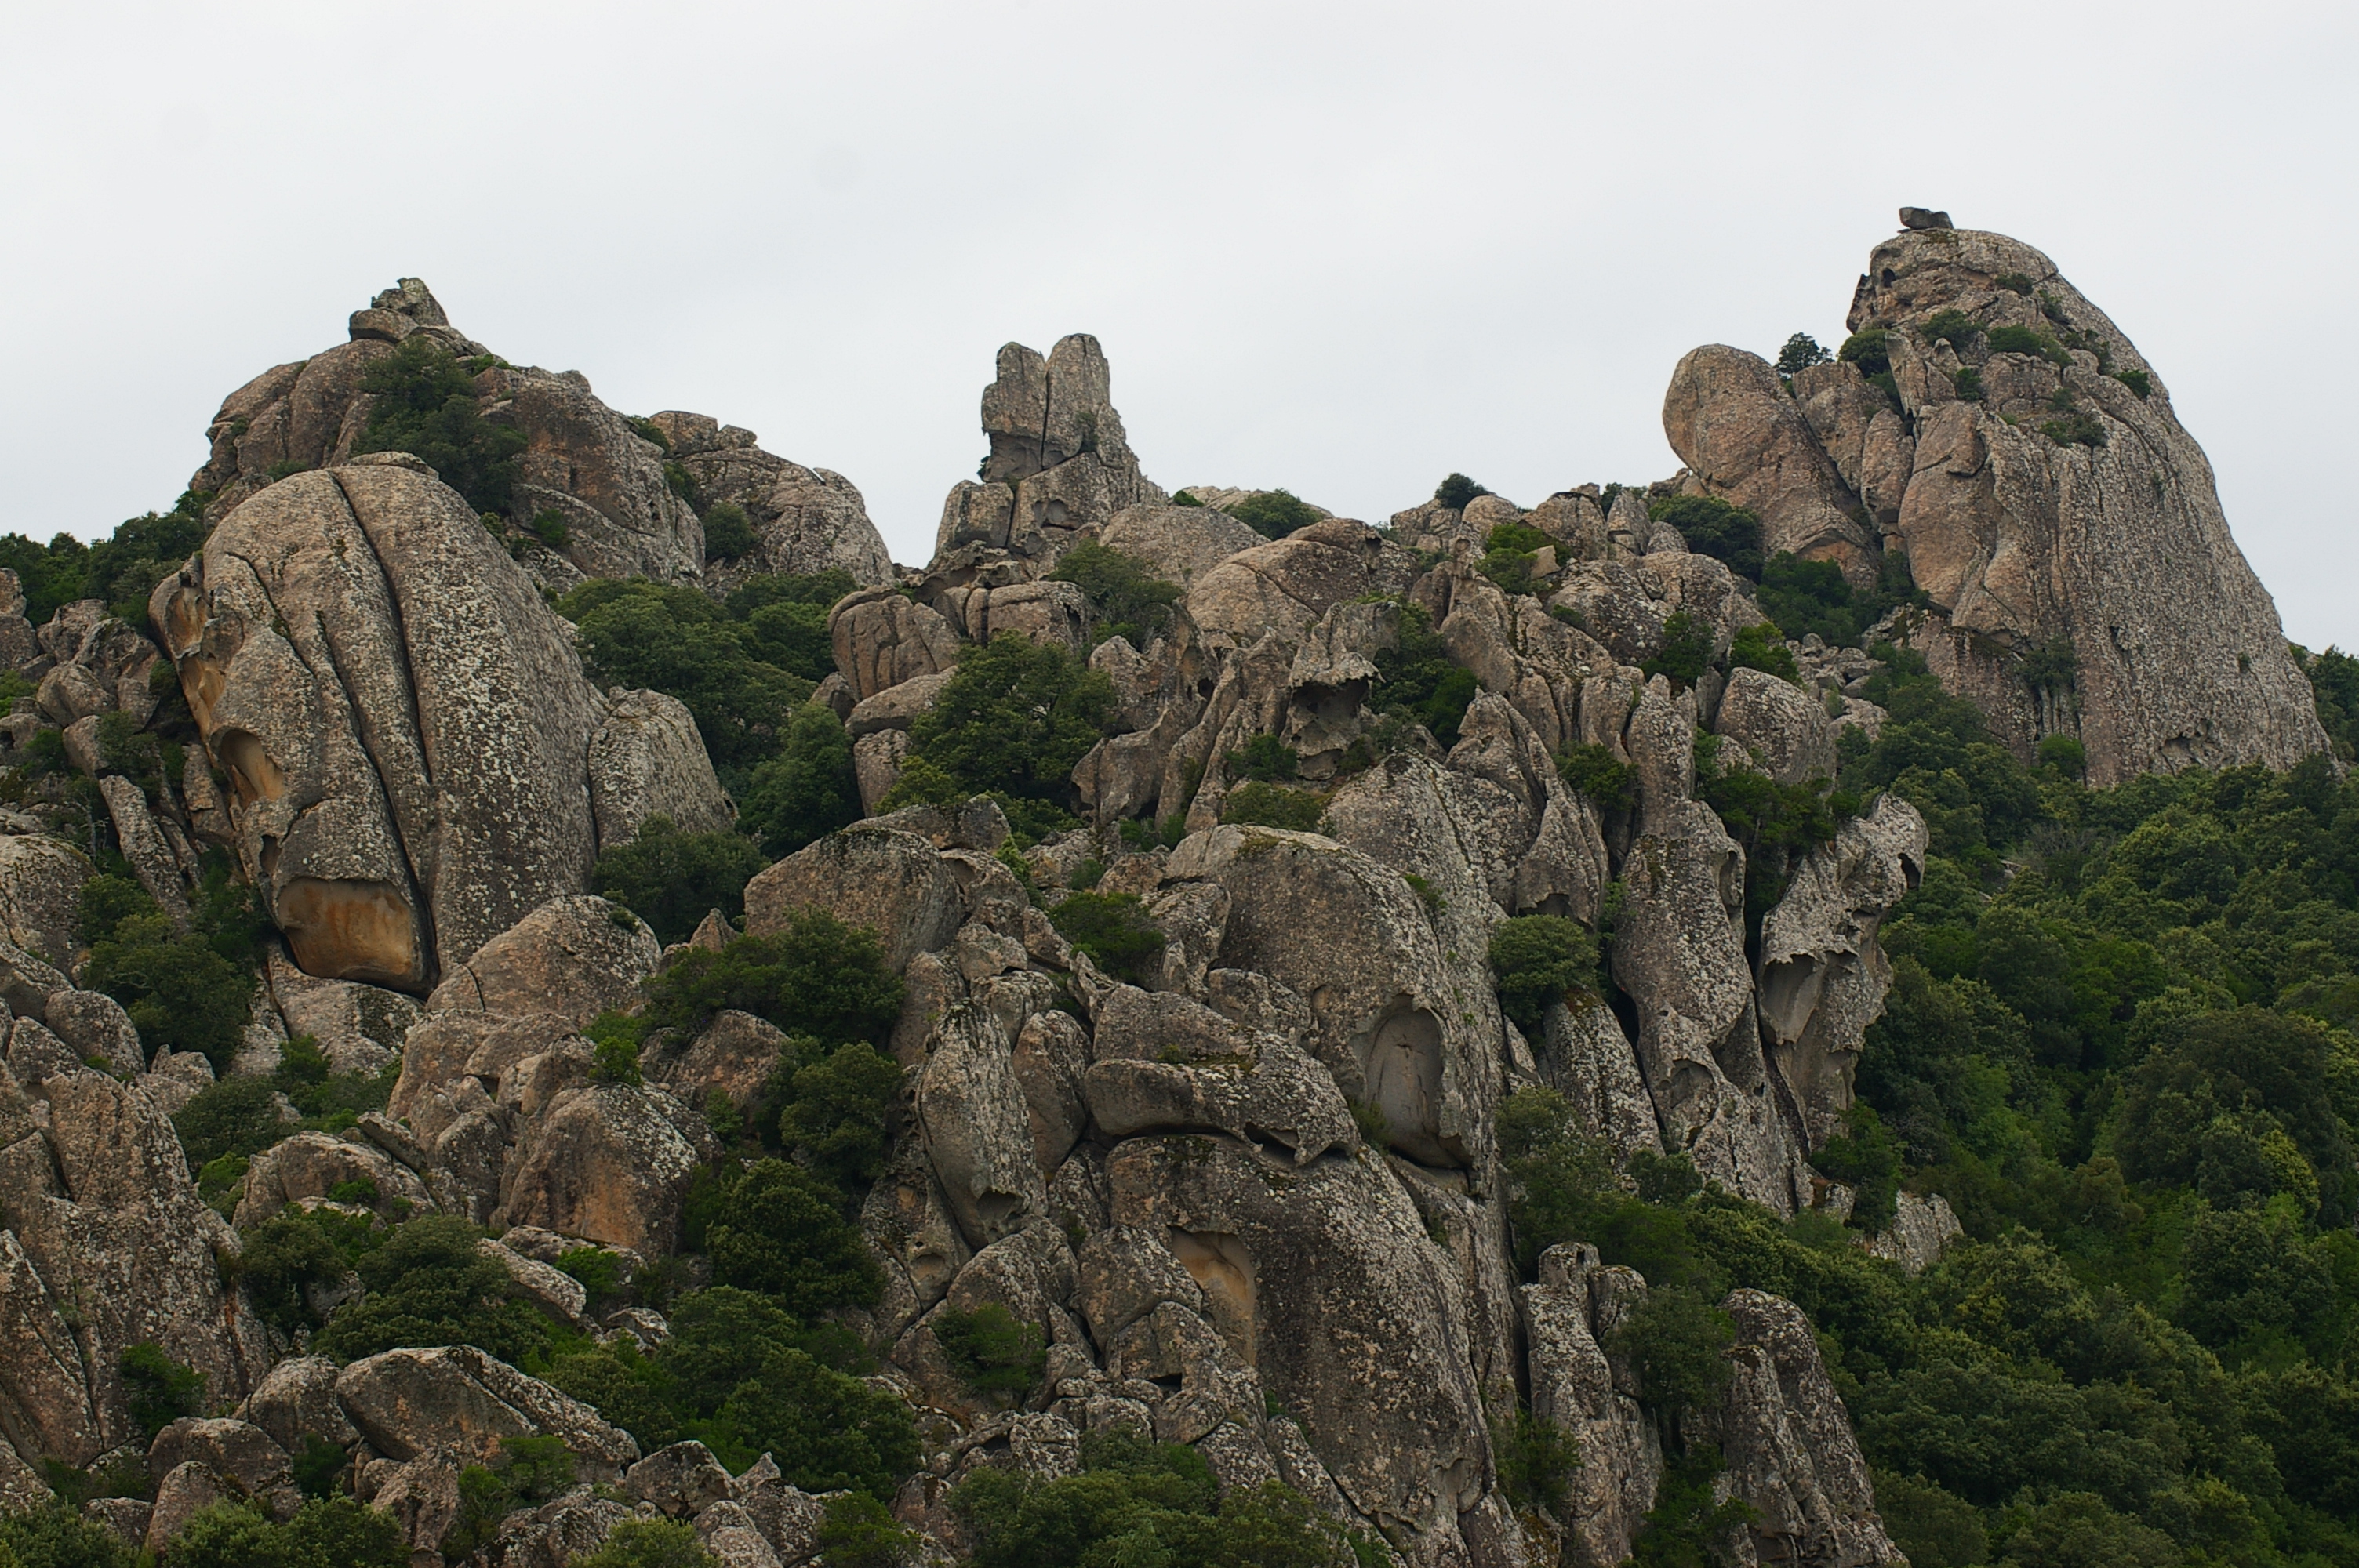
{"points": [[397, 312], [1924, 218], [1040, 413]]}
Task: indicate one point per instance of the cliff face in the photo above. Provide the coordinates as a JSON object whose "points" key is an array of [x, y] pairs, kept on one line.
{"points": [[2026, 460], [1253, 1194]]}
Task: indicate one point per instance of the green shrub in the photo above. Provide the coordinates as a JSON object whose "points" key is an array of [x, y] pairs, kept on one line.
{"points": [[1456, 490], [1274, 513], [1185, 498], [323, 1533], [1763, 647], [2019, 341], [1113, 929], [229, 1116], [991, 1351], [1537, 959], [1611, 784], [808, 790], [818, 977], [428, 1285], [672, 880], [837, 1108], [1967, 383], [2076, 428], [1720, 529], [281, 1258], [1800, 353], [1806, 597], [424, 403], [1273, 805], [1265, 758], [1674, 1341], [1686, 1527], [1128, 600], [1773, 821], [650, 1543], [181, 993], [858, 1532], [1511, 570], [782, 618], [333, 1099], [674, 640], [2015, 282], [2065, 754], [1516, 536], [2137, 380], [682, 484], [1135, 1502], [1867, 1157], [1416, 680], [1536, 1459], [159, 1389], [1686, 651], [1011, 723], [781, 1232], [1868, 350], [728, 532], [1960, 329], [527, 1471]]}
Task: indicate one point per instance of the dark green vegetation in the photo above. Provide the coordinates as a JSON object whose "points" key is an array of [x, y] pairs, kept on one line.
{"points": [[1686, 650], [1537, 959], [1137, 1502], [992, 1351], [1126, 598], [1274, 514], [1113, 929], [1273, 805], [671, 880], [1416, 681], [185, 990], [1611, 784], [425, 405], [159, 1389], [1800, 353], [324, 1534], [2128, 1065], [650, 1543], [1806, 597], [728, 532], [1725, 532], [1011, 724], [741, 666], [120, 571], [1456, 490]]}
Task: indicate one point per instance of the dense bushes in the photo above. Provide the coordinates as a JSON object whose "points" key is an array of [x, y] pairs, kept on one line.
{"points": [[808, 790], [1273, 805], [1113, 929], [185, 990], [1806, 597], [429, 1285], [672, 880], [1136, 1501], [818, 977], [1456, 490], [1720, 529], [1011, 724], [1416, 680], [120, 571], [1535, 959], [423, 402], [323, 1533], [1126, 597], [1274, 513], [1686, 650]]}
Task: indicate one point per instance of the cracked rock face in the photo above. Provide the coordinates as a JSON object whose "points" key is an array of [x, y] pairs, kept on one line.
{"points": [[410, 745]]}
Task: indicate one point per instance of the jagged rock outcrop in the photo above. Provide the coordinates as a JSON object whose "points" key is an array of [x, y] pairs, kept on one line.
{"points": [[2064, 524], [600, 475], [413, 753]]}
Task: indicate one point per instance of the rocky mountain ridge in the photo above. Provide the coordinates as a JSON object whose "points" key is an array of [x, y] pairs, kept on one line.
{"points": [[1251, 1190]]}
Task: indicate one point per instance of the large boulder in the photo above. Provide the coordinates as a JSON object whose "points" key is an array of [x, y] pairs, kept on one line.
{"points": [[40, 894], [404, 723], [1774, 726], [459, 1401], [609, 1163], [575, 957], [894, 884], [805, 520], [646, 759], [1180, 544], [1744, 439], [1286, 584]]}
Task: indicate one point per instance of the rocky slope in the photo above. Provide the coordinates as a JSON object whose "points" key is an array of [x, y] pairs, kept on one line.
{"points": [[1252, 1193]]}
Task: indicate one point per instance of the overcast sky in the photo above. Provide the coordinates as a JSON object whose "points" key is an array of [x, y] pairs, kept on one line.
{"points": [[1341, 248]]}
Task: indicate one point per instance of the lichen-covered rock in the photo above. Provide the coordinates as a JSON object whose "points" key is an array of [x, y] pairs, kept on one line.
{"points": [[882, 639], [298, 1402], [978, 1128], [735, 1057], [404, 723], [646, 759], [805, 520], [1286, 584], [458, 1400], [1180, 544], [1822, 973], [894, 883], [40, 894], [1573, 1384], [313, 1165], [1773, 724], [574, 958], [609, 1163], [1920, 1228]]}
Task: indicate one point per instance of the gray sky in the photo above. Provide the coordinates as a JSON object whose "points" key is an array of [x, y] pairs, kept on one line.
{"points": [[1343, 249]]}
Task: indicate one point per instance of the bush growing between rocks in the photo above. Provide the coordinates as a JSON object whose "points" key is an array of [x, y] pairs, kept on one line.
{"points": [[858, 1532], [1536, 1460], [1274, 513], [835, 1108], [991, 1351], [159, 1389], [1763, 647], [808, 790], [1720, 529], [1113, 929], [1686, 1527], [1456, 490], [1126, 597], [182, 991], [1137, 1502], [675, 641], [424, 403], [1800, 353], [324, 1534], [231, 1116], [728, 532], [818, 977], [428, 1285], [1011, 724], [1537, 959], [1674, 1340], [52, 1535], [1956, 327], [2019, 341], [2137, 380], [1416, 681], [1273, 805], [1609, 782], [1686, 652], [782, 1232], [1267, 759], [526, 1472], [672, 880], [1867, 1157], [651, 1543], [1806, 597]]}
